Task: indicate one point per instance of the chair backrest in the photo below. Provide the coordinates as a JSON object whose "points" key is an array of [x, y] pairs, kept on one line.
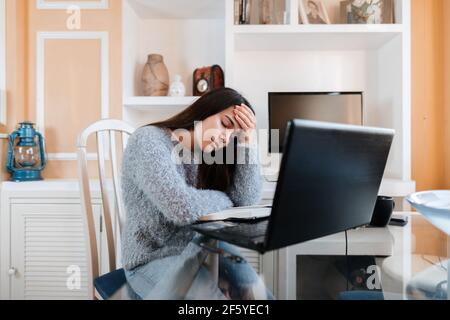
{"points": [[106, 133]]}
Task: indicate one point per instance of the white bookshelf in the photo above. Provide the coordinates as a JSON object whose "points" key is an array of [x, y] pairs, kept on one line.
{"points": [[329, 29], [178, 9], [314, 37], [258, 59], [155, 103], [189, 35], [374, 59]]}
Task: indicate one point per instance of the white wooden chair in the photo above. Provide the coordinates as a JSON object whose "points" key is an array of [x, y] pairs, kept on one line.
{"points": [[109, 161]]}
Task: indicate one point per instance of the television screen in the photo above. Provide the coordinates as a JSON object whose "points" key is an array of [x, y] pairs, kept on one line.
{"points": [[341, 107]]}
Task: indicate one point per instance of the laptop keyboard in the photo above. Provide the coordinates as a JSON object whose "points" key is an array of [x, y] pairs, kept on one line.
{"points": [[252, 230]]}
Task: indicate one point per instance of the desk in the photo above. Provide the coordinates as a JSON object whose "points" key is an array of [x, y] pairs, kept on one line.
{"points": [[408, 273], [403, 275]]}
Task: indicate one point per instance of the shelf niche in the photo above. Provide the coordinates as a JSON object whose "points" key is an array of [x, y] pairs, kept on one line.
{"points": [[189, 35], [192, 41], [292, 11]]}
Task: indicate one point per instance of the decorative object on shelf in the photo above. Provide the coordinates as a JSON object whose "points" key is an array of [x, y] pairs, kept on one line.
{"points": [[367, 11], [313, 12], [177, 88], [26, 154], [207, 79], [265, 12], [260, 12], [155, 77], [237, 10], [243, 11], [273, 12]]}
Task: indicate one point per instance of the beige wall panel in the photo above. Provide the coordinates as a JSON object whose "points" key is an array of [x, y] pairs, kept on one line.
{"points": [[16, 69], [446, 12], [72, 91], [60, 138], [67, 169], [81, 1], [428, 111], [427, 94]]}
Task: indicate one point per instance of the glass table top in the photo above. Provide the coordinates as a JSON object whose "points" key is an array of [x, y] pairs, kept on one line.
{"points": [[417, 269]]}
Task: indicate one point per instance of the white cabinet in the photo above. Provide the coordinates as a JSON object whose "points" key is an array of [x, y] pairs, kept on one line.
{"points": [[47, 246], [43, 248], [42, 241]]}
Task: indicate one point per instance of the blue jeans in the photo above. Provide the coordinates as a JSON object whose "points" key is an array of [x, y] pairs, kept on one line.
{"points": [[238, 280], [185, 277]]}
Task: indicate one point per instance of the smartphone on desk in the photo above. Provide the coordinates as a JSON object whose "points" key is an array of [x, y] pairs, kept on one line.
{"points": [[399, 220]]}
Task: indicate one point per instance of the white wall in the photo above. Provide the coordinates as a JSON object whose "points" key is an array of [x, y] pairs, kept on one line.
{"points": [[387, 110], [377, 73], [257, 73], [131, 36], [140, 118]]}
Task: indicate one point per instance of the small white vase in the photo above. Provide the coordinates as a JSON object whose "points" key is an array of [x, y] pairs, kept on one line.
{"points": [[177, 88]]}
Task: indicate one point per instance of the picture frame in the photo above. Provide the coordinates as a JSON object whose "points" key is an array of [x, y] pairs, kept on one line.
{"points": [[367, 12], [256, 12], [313, 12]]}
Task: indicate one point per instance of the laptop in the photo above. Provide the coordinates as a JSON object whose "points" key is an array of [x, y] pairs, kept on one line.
{"points": [[329, 180]]}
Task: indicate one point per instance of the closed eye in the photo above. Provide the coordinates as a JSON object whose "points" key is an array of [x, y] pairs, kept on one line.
{"points": [[227, 122]]}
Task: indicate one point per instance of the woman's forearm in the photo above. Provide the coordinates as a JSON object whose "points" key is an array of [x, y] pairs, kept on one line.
{"points": [[247, 183]]}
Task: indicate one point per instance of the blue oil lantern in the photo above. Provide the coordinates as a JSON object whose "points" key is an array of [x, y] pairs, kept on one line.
{"points": [[26, 154]]}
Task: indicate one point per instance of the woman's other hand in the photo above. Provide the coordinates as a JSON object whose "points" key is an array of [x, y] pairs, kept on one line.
{"points": [[247, 121]]}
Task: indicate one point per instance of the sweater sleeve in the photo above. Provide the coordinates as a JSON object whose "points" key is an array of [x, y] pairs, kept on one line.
{"points": [[246, 188], [150, 165]]}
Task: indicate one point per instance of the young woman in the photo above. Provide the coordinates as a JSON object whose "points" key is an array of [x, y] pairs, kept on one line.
{"points": [[164, 196]]}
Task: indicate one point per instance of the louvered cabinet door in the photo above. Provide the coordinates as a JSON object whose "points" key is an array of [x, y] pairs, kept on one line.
{"points": [[252, 257], [48, 252]]}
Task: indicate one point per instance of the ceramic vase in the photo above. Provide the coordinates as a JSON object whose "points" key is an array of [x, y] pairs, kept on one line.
{"points": [[155, 77]]}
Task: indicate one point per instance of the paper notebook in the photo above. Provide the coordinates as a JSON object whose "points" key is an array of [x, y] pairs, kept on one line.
{"points": [[239, 213]]}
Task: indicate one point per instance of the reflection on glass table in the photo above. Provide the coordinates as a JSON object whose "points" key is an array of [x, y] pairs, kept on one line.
{"points": [[435, 206], [205, 270], [425, 264], [417, 269]]}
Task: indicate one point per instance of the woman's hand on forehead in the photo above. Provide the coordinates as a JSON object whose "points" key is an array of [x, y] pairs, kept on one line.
{"points": [[244, 117]]}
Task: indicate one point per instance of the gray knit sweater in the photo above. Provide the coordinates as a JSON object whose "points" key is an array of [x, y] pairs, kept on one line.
{"points": [[161, 200]]}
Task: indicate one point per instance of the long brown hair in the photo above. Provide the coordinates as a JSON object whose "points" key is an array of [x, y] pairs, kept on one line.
{"points": [[210, 176]]}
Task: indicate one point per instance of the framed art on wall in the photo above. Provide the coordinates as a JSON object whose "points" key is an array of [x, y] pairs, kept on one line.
{"points": [[313, 12], [367, 11]]}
